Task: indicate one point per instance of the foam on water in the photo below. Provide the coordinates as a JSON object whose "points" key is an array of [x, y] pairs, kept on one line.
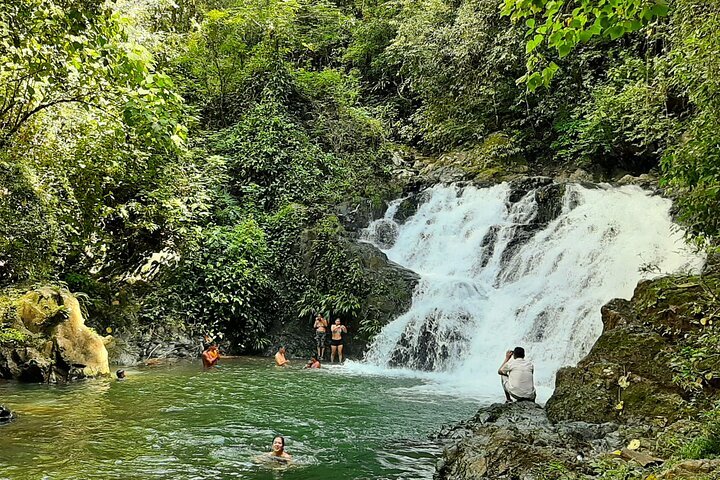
{"points": [[491, 279]]}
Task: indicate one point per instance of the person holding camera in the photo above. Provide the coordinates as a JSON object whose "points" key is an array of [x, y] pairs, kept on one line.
{"points": [[516, 374]]}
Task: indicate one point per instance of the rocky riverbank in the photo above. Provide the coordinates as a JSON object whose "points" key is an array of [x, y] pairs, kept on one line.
{"points": [[641, 405]]}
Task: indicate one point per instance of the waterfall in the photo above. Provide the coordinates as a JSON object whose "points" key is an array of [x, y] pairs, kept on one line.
{"points": [[498, 271]]}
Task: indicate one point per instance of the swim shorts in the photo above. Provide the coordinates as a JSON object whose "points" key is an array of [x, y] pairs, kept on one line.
{"points": [[336, 343]]}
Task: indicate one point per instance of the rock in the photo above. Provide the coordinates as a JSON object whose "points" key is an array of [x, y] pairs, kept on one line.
{"points": [[692, 469], [520, 187], [6, 416], [356, 215], [627, 376], [517, 441], [580, 176], [57, 345], [641, 458], [645, 180]]}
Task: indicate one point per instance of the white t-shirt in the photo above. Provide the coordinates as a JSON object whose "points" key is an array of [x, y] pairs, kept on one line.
{"points": [[520, 377]]}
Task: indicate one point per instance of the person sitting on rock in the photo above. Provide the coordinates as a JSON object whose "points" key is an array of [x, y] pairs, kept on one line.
{"points": [[280, 359], [516, 374], [211, 356]]}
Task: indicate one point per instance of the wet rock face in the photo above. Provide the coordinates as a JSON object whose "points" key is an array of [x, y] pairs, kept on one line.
{"points": [[517, 441], [6, 416], [426, 349], [357, 215]]}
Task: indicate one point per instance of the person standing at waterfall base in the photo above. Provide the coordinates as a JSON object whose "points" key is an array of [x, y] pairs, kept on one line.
{"points": [[336, 340], [516, 374], [320, 327]]}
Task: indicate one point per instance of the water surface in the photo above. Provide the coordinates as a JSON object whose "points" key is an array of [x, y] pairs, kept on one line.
{"points": [[183, 423]]}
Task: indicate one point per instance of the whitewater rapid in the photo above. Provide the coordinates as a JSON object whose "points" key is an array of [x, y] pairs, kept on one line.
{"points": [[493, 278]]}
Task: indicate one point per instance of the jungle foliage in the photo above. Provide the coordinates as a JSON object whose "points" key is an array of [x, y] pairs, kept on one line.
{"points": [[182, 162]]}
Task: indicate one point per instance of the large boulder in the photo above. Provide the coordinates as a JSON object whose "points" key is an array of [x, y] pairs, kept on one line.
{"points": [[630, 374], [52, 342]]}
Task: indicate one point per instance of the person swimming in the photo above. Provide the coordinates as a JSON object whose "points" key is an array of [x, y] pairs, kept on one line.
{"points": [[120, 375], [278, 450]]}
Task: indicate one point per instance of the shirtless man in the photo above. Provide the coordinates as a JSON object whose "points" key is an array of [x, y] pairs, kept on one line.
{"points": [[320, 327], [336, 340], [210, 356], [280, 359]]}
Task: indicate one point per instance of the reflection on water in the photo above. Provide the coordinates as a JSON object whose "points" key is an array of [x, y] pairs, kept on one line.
{"points": [[182, 423]]}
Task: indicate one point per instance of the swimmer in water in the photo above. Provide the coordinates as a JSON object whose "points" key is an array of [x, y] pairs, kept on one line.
{"points": [[278, 450]]}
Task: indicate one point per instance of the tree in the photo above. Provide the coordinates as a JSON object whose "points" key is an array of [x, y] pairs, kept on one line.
{"points": [[76, 52], [560, 25]]}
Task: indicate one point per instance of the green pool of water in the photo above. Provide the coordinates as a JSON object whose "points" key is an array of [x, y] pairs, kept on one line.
{"points": [[181, 422]]}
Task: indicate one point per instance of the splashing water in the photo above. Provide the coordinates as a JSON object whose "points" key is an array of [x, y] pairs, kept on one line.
{"points": [[493, 278]]}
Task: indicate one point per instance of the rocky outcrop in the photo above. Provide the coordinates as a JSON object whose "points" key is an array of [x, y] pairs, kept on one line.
{"points": [[389, 295], [6, 416], [358, 214], [517, 441], [53, 343], [154, 345], [628, 376]]}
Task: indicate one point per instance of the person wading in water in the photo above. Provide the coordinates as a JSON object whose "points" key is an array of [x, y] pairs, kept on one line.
{"points": [[320, 327], [210, 356], [280, 359], [278, 450]]}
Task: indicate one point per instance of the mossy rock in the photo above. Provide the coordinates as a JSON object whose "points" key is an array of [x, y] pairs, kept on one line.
{"points": [[630, 375], [56, 343]]}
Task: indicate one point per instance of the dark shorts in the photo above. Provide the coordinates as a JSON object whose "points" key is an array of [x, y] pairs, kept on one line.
{"points": [[320, 339], [336, 343]]}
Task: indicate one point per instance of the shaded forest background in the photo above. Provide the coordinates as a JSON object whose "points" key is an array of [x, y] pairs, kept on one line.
{"points": [[181, 162]]}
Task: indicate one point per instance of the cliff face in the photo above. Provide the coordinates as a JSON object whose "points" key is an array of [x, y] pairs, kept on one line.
{"points": [[650, 382]]}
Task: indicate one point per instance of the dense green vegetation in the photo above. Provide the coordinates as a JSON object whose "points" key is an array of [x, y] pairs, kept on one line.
{"points": [[182, 162]]}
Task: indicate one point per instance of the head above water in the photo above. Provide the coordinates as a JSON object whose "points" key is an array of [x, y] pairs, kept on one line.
{"points": [[519, 352], [278, 443], [120, 373]]}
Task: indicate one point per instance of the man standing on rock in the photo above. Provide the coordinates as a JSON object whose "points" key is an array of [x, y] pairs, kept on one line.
{"points": [[516, 374]]}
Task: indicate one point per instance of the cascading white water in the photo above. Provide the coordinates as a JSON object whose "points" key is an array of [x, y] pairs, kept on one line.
{"points": [[492, 279]]}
